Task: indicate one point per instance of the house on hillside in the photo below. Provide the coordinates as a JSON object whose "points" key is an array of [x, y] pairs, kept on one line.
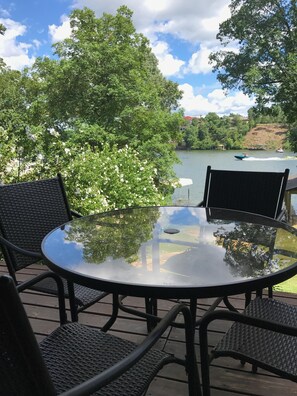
{"points": [[188, 121]]}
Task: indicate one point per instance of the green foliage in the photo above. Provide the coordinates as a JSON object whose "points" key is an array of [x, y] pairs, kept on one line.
{"points": [[212, 132], [264, 63], [110, 179], [2, 28], [266, 115], [95, 180], [105, 87], [127, 235], [100, 113], [104, 71], [292, 136]]}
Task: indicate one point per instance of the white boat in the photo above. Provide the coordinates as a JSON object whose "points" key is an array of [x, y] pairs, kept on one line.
{"points": [[280, 150], [185, 181]]}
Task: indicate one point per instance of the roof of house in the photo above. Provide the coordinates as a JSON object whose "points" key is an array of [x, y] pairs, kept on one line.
{"points": [[189, 118]]}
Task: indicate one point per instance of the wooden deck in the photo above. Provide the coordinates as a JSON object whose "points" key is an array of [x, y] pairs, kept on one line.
{"points": [[228, 377]]}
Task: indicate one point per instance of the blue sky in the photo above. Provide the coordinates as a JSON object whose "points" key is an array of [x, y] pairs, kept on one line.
{"points": [[182, 33]]}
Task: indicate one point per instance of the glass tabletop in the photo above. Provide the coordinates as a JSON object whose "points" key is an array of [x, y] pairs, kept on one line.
{"points": [[173, 251]]}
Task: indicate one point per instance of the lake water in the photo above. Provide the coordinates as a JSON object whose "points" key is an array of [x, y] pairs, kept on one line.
{"points": [[194, 164]]}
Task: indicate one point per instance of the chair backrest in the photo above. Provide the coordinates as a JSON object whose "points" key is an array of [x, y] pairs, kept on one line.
{"points": [[255, 192], [28, 211], [22, 369]]}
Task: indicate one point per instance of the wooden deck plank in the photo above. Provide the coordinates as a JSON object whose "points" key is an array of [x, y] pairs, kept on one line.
{"points": [[228, 376]]}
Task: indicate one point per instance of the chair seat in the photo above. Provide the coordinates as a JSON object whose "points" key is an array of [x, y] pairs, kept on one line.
{"points": [[79, 360], [267, 349], [92, 352], [84, 296]]}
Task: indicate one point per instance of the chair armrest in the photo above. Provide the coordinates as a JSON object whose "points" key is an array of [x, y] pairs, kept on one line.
{"points": [[282, 215], [25, 252], [110, 374], [61, 293], [205, 358], [75, 214], [249, 320]]}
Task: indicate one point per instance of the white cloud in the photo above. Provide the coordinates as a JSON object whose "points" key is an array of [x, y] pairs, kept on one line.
{"points": [[4, 13], [59, 33], [217, 95], [36, 43], [199, 62], [14, 53], [216, 101], [168, 64], [238, 102], [194, 104], [156, 5], [210, 24], [190, 20], [193, 23]]}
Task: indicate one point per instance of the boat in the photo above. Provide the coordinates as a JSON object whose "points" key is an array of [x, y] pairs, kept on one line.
{"points": [[241, 156], [185, 182], [280, 150]]}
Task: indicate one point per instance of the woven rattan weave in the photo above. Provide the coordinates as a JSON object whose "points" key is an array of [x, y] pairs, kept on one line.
{"points": [[265, 335], [266, 348], [78, 360], [28, 211]]}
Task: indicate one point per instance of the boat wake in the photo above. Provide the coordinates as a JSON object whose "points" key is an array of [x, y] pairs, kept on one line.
{"points": [[269, 159]]}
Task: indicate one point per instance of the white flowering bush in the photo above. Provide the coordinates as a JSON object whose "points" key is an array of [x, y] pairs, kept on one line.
{"points": [[96, 180], [113, 178], [7, 154]]}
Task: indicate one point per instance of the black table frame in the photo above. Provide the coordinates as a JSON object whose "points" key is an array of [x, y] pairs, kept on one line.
{"points": [[151, 293]]}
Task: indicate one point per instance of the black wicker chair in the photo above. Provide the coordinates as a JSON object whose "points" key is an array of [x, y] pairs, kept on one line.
{"points": [[255, 192], [28, 211], [79, 360], [265, 335]]}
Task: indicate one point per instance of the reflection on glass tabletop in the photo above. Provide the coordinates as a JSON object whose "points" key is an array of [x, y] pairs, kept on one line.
{"points": [[172, 247]]}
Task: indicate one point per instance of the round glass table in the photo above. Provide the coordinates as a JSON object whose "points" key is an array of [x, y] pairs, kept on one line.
{"points": [[173, 252]]}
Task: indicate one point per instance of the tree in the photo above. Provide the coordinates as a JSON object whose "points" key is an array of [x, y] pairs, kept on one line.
{"points": [[106, 86], [264, 62], [213, 131], [109, 179], [190, 137], [100, 113], [14, 143], [2, 28]]}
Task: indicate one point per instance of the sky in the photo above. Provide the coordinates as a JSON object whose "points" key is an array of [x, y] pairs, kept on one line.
{"points": [[182, 34]]}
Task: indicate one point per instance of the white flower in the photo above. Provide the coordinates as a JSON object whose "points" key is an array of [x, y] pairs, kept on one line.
{"points": [[40, 157], [53, 132], [31, 137]]}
